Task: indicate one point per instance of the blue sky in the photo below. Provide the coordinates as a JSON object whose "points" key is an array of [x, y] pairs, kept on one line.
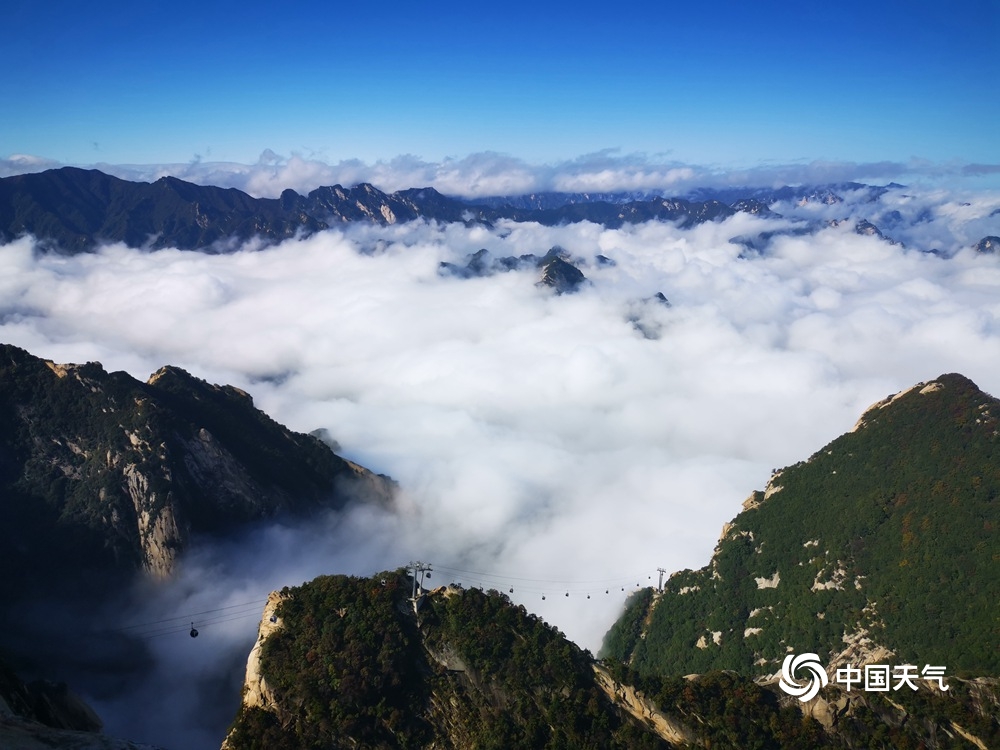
{"points": [[722, 84]]}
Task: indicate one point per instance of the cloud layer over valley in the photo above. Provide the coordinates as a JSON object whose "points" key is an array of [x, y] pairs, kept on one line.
{"points": [[560, 444]]}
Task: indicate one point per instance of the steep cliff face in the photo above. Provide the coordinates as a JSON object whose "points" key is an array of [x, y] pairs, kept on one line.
{"points": [[98, 469], [866, 553], [257, 693], [645, 710]]}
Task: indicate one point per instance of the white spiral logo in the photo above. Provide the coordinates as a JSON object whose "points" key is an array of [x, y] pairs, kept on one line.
{"points": [[810, 662]]}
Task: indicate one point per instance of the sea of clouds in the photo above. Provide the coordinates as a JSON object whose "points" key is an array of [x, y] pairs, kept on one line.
{"points": [[490, 173], [550, 444]]}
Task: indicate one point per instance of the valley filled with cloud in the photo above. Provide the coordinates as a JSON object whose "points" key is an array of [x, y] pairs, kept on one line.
{"points": [[558, 445], [563, 448]]}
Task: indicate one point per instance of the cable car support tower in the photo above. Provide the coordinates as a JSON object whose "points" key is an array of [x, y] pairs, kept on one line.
{"points": [[423, 570]]}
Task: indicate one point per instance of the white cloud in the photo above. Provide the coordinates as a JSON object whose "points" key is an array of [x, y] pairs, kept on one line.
{"points": [[490, 173], [541, 439], [25, 163]]}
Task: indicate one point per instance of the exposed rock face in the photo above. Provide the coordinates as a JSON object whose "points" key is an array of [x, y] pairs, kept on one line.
{"points": [[256, 692], [840, 711], [100, 470], [159, 535], [561, 276], [633, 701], [858, 650], [557, 268], [866, 229]]}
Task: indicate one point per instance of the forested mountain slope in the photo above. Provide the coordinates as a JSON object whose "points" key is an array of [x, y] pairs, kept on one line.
{"points": [[883, 543]]}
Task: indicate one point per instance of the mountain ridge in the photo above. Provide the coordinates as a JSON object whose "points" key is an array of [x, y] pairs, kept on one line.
{"points": [[73, 210], [122, 472], [866, 551], [343, 661], [353, 662]]}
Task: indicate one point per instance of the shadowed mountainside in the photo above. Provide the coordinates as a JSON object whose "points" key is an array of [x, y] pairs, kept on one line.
{"points": [[73, 210], [99, 470]]}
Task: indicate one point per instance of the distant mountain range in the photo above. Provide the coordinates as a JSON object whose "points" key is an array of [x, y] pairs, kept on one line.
{"points": [[730, 196], [72, 210]]}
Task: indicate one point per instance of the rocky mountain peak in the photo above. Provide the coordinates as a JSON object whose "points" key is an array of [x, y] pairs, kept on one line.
{"points": [[845, 553], [110, 472], [988, 244], [561, 275], [463, 668]]}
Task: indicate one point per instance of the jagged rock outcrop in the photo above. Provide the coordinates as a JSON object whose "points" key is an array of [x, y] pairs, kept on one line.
{"points": [[102, 471], [866, 229], [561, 275], [556, 266], [935, 719], [989, 244]]}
